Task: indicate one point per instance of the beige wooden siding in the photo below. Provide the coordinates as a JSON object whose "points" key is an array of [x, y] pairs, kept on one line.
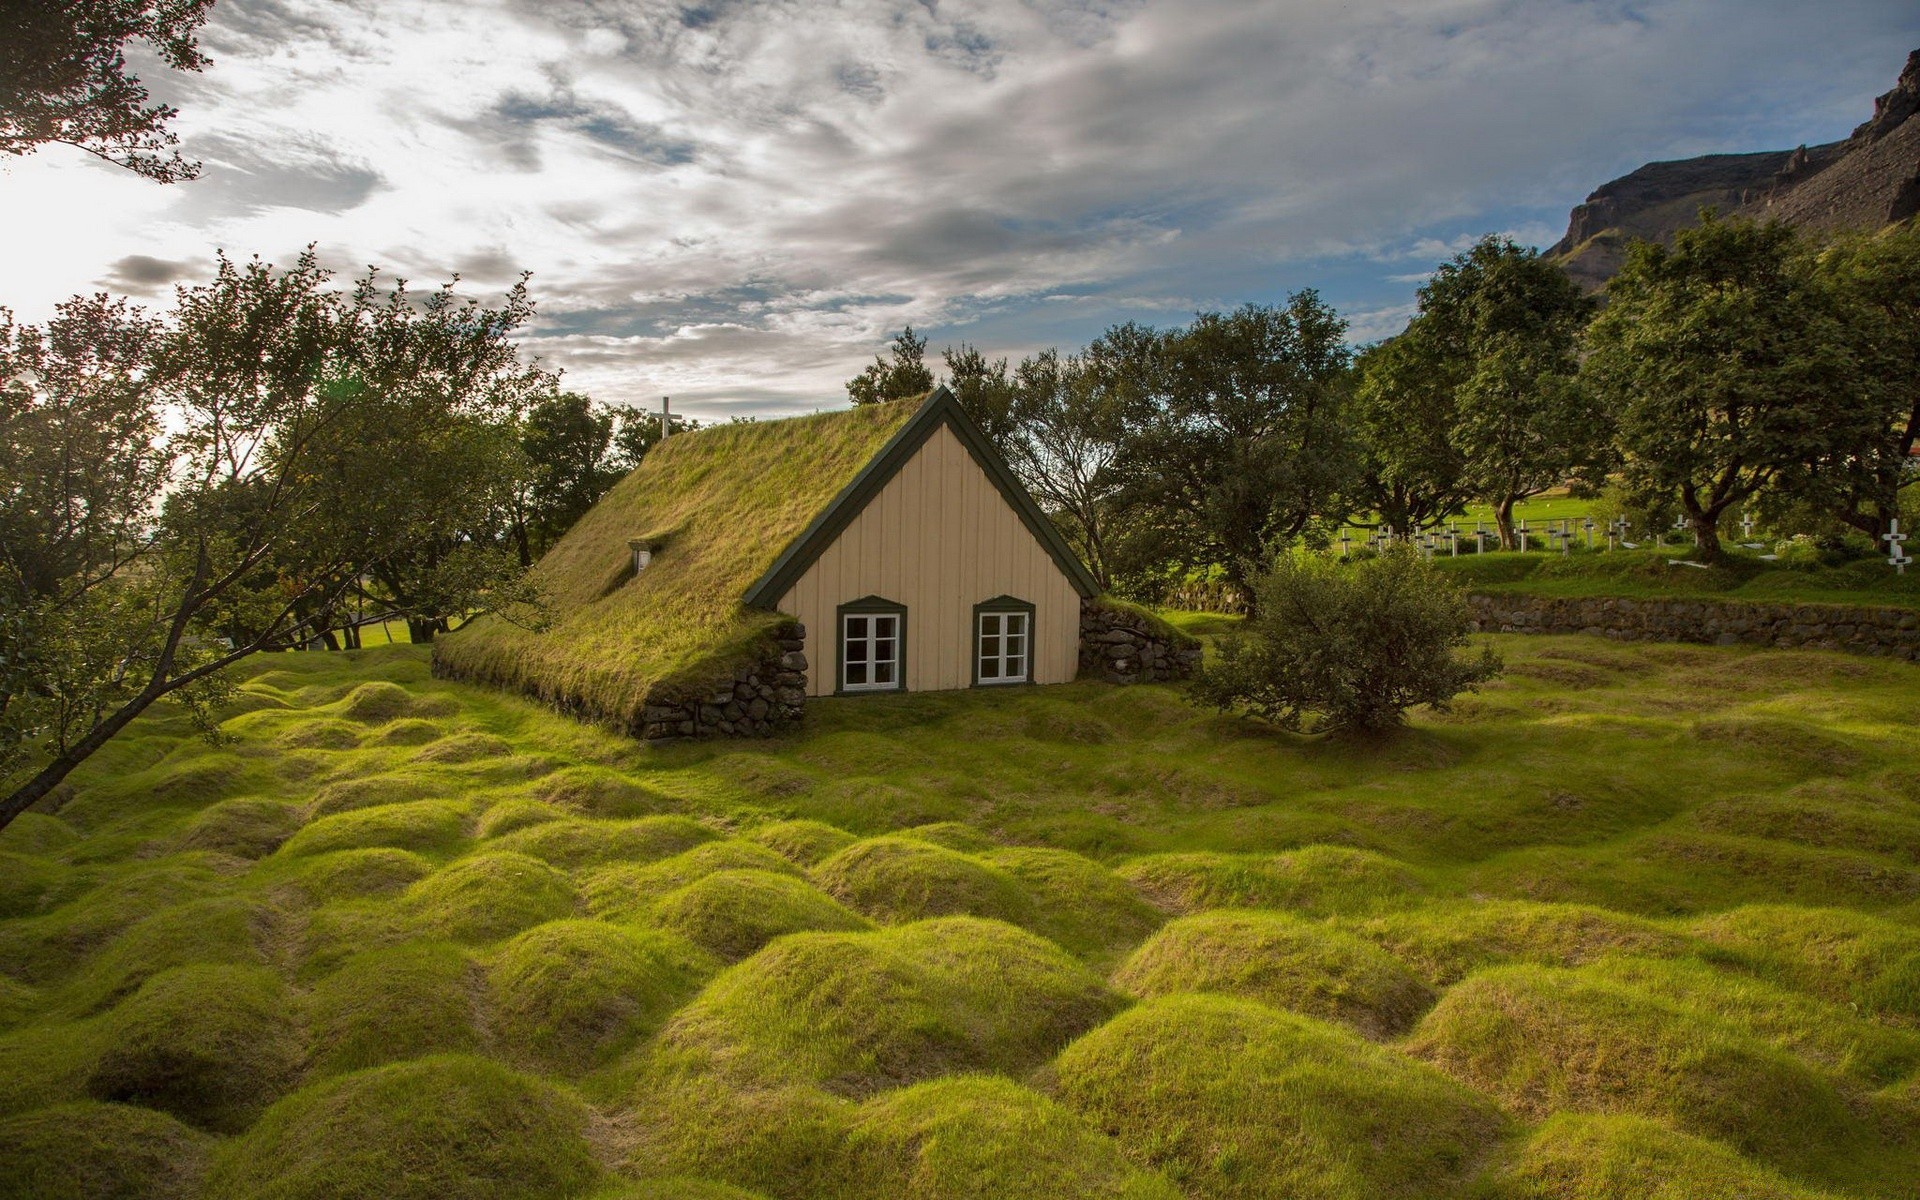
{"points": [[939, 539]]}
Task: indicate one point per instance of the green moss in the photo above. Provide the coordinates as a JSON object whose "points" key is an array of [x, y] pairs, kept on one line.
{"points": [[408, 731], [954, 835], [857, 1012], [28, 885], [374, 871], [43, 948], [570, 995], [369, 791], [949, 1140], [246, 827], [376, 703], [733, 913], [37, 834], [1080, 904], [426, 1129], [677, 1188], [90, 1151], [224, 929], [1272, 1104], [488, 896], [1847, 957], [425, 826], [803, 843], [17, 1002], [573, 843], [1446, 942], [399, 1002], [898, 879], [464, 748], [1543, 1039], [213, 1045], [1313, 880], [510, 816], [1633, 1158], [1278, 959], [319, 733], [628, 893], [592, 792], [786, 1140]]}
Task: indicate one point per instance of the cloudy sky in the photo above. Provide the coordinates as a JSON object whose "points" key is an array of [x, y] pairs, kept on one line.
{"points": [[737, 203]]}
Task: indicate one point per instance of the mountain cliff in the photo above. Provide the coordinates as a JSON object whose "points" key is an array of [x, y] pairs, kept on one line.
{"points": [[1868, 181]]}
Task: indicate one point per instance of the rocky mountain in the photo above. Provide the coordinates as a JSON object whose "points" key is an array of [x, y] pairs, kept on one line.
{"points": [[1868, 181]]}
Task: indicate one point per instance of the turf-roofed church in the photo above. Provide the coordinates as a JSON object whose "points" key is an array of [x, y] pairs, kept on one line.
{"points": [[743, 568]]}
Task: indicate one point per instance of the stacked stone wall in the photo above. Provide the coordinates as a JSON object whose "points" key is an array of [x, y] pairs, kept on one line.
{"points": [[1886, 632], [1120, 645], [763, 697]]}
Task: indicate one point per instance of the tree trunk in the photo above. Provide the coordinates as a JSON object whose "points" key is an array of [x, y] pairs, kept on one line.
{"points": [[421, 630], [35, 790], [1706, 535], [1503, 519]]}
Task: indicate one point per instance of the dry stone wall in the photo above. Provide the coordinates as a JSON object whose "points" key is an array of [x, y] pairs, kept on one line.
{"points": [[1121, 645], [763, 697], [1887, 632]]}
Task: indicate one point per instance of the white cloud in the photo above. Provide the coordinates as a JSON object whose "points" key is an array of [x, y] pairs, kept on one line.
{"points": [[736, 203]]}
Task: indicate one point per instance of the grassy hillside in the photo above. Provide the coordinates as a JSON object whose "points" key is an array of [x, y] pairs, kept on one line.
{"points": [[1635, 921], [1649, 574]]}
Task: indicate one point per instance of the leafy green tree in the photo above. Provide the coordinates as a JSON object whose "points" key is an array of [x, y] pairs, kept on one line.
{"points": [[905, 374], [1500, 328], [567, 442], [1233, 438], [1349, 647], [64, 80], [1727, 363], [1403, 413]]}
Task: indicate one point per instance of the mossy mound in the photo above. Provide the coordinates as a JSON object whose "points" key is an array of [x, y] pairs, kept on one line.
{"points": [[246, 827], [368, 791], [627, 893], [857, 1012], [897, 879], [1282, 960], [489, 896], [377, 702], [1082, 905], [1633, 1158], [1313, 880], [570, 995], [213, 1045], [425, 826], [593, 792], [1233, 1099], [92, 1151], [42, 948], [1544, 1039], [954, 835], [510, 816], [408, 731], [426, 1129], [398, 1002], [29, 885], [1447, 942], [678, 1188], [319, 733], [222, 929], [803, 843], [1847, 957], [787, 1140], [17, 1002], [375, 871], [464, 748], [34, 834], [733, 913], [983, 1138], [573, 843]]}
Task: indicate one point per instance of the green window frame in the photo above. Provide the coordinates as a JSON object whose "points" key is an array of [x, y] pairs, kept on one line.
{"points": [[870, 647], [1001, 642]]}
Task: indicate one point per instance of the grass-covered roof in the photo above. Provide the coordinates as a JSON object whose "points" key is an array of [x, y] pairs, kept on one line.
{"points": [[719, 504]]}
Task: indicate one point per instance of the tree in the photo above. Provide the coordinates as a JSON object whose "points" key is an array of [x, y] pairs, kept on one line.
{"points": [[1728, 367], [905, 375], [567, 442], [64, 80], [1233, 437], [1500, 326], [206, 512], [1347, 647], [639, 431], [1403, 414]]}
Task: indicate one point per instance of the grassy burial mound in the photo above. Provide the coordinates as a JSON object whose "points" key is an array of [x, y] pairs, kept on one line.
{"points": [[719, 505], [1632, 921]]}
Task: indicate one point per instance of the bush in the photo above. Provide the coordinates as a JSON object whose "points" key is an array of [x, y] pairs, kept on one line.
{"points": [[99, 1152], [1347, 647]]}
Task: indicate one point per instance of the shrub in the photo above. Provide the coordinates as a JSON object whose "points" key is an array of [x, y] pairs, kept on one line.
{"points": [[1271, 1104], [426, 1129], [950, 1139], [734, 913], [1632, 1158], [488, 896], [857, 1012], [91, 1151], [897, 879], [571, 994], [1347, 647], [1303, 966], [213, 1045], [386, 1004]]}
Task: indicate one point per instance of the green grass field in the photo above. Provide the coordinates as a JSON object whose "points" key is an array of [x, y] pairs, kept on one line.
{"points": [[1634, 921], [1652, 574]]}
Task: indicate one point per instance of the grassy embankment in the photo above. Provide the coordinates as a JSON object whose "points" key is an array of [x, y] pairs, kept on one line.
{"points": [[1635, 921], [1651, 574]]}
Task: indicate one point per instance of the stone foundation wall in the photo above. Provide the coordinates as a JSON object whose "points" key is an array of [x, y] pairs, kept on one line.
{"points": [[1887, 632], [1123, 646], [763, 697]]}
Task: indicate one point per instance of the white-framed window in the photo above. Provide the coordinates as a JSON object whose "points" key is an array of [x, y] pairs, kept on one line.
{"points": [[1003, 646], [870, 651]]}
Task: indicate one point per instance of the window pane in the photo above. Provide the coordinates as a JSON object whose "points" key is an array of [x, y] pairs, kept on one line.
{"points": [[856, 674], [989, 668], [856, 651], [885, 626], [989, 624], [883, 672], [990, 647], [1017, 624], [883, 650], [856, 627], [1016, 666]]}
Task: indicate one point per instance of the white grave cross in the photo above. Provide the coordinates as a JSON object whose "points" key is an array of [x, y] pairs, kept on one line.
{"points": [[1896, 551]]}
